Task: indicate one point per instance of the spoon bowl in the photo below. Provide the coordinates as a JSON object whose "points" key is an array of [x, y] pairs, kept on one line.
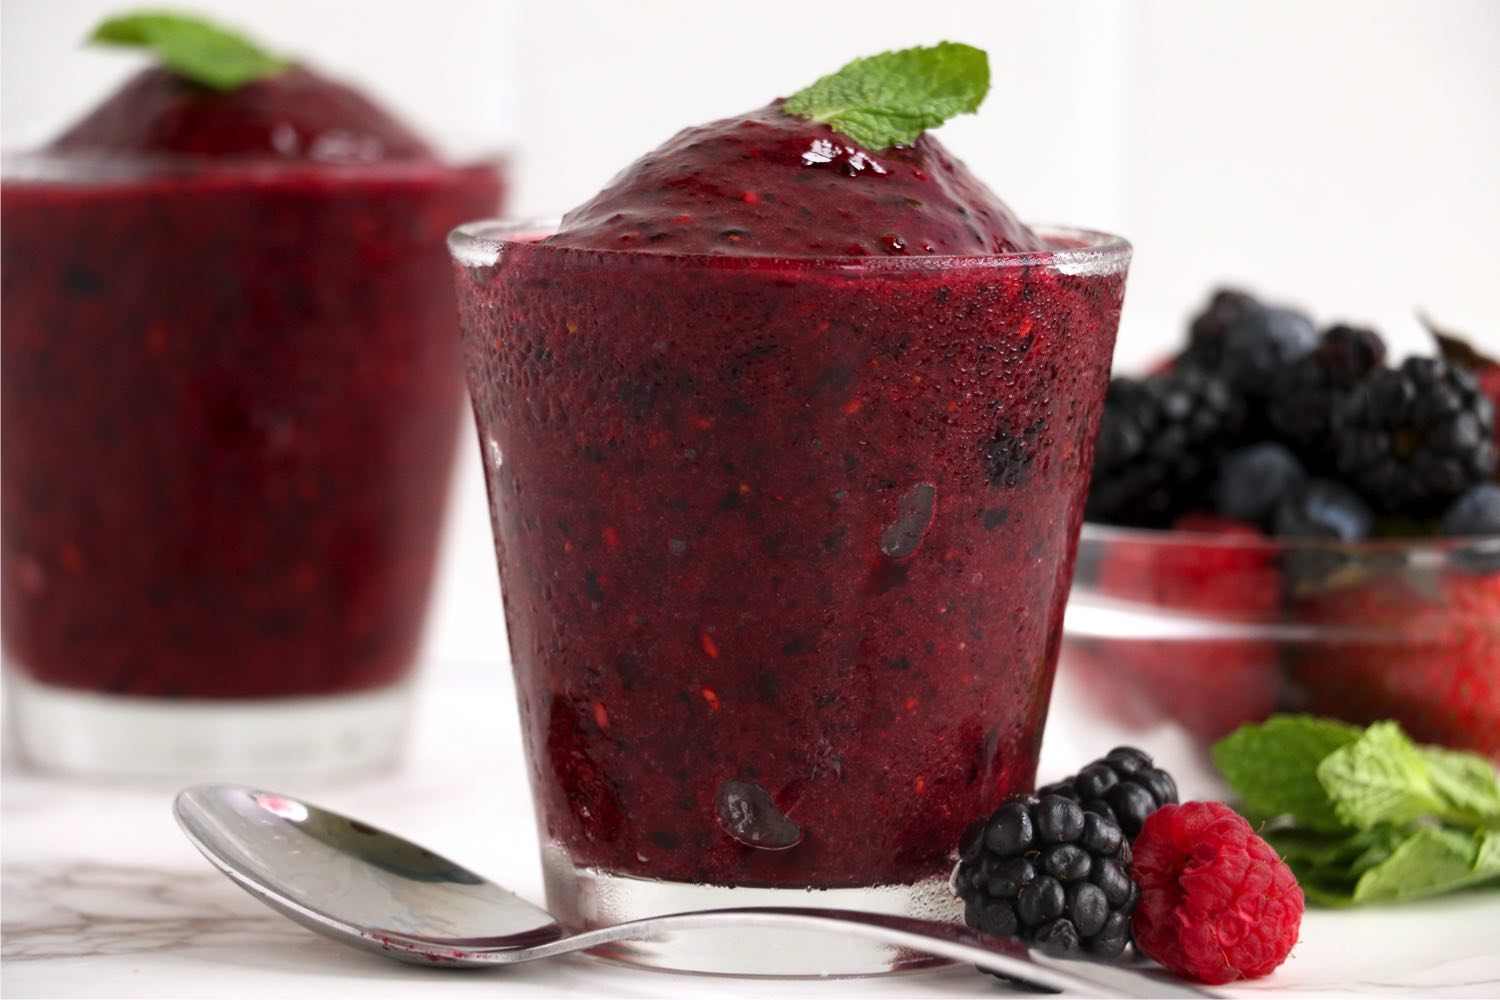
{"points": [[370, 889], [349, 880]]}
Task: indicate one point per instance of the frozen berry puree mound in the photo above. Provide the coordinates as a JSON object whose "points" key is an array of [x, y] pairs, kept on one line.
{"points": [[218, 94], [774, 182], [296, 115], [1217, 903]]}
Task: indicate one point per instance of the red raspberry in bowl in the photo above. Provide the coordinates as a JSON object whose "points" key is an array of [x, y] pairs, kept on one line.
{"points": [[1209, 684], [1422, 651], [1217, 903]]}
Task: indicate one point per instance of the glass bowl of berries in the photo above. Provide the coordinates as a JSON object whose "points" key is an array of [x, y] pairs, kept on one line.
{"points": [[1283, 520]]}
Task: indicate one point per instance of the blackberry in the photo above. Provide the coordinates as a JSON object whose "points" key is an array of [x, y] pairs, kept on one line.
{"points": [[1205, 347], [1160, 439], [1413, 438], [1305, 392], [1044, 870], [1124, 787]]}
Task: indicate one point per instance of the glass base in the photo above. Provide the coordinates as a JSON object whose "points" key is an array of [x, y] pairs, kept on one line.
{"points": [[87, 733], [583, 898]]}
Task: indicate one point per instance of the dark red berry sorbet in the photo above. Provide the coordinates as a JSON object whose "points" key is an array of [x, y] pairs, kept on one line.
{"points": [[230, 391]]}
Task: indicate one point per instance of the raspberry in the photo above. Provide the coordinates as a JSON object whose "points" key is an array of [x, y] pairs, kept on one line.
{"points": [[1432, 663], [1208, 685], [1217, 904]]}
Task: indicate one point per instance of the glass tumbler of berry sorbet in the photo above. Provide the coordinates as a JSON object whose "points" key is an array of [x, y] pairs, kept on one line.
{"points": [[784, 547], [231, 394]]}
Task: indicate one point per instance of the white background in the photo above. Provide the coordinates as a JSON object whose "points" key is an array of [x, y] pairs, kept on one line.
{"points": [[1339, 154]]}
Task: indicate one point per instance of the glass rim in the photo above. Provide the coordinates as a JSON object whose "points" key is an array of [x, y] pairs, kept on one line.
{"points": [[1105, 534], [78, 166], [480, 244]]}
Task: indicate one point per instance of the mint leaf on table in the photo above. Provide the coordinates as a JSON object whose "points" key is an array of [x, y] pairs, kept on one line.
{"points": [[894, 97], [1488, 856], [1388, 864], [1379, 778], [1273, 767], [1367, 816], [1467, 783], [1430, 861], [1383, 777], [191, 47], [1328, 865]]}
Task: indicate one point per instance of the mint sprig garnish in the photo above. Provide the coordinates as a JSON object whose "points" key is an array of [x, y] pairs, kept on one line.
{"points": [[1366, 815], [894, 97], [191, 47]]}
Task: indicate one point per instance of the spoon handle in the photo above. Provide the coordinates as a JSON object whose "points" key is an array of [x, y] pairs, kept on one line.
{"points": [[1005, 956]]}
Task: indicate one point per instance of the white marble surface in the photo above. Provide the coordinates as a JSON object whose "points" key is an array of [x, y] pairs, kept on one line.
{"points": [[101, 896]]}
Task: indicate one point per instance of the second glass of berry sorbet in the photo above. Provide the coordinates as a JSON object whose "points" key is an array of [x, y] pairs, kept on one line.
{"points": [[785, 546]]}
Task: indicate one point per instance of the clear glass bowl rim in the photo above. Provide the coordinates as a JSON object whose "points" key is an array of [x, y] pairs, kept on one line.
{"points": [[1106, 534], [480, 244]]}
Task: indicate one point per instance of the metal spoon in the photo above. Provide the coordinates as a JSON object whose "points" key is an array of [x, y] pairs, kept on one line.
{"points": [[372, 890]]}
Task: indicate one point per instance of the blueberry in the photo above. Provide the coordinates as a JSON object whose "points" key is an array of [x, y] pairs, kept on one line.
{"points": [[1261, 340], [1323, 508], [1009, 830], [1088, 907], [1067, 863], [1041, 901], [1253, 481], [1476, 512], [1058, 820]]}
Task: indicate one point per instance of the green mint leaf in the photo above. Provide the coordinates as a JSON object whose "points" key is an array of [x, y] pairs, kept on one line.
{"points": [[191, 47], [1320, 862], [1328, 865], [1430, 861], [1379, 778], [1487, 858], [1273, 767], [1468, 785], [1322, 895], [894, 97]]}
